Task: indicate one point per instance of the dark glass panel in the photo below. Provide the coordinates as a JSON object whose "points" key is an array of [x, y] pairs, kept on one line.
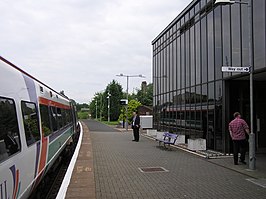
{"points": [[197, 7], [187, 17], [187, 61], [183, 68], [192, 108], [198, 53], [167, 68], [226, 30], [211, 91], [202, 3], [204, 94], [218, 92], [218, 43], [210, 46], [204, 67], [192, 56], [178, 76], [170, 72], [188, 113], [164, 70], [192, 12], [174, 66], [210, 123], [235, 19], [245, 33], [198, 108], [160, 71], [204, 108], [259, 33]]}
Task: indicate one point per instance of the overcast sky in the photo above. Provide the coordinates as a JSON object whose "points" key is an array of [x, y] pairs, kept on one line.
{"points": [[79, 46]]}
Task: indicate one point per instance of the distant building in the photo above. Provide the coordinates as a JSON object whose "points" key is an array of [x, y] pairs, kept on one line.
{"points": [[144, 86], [192, 95], [144, 110]]}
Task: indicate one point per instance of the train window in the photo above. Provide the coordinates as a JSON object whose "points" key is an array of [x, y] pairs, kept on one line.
{"points": [[45, 120], [68, 116], [59, 117], [64, 117], [9, 132], [53, 116], [31, 123]]}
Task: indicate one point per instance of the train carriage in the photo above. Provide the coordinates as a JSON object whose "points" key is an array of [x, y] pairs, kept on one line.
{"points": [[36, 125]]}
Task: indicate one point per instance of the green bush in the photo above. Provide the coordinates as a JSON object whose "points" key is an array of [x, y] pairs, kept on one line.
{"points": [[83, 115]]}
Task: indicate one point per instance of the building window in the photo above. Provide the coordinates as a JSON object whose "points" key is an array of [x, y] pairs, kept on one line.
{"points": [[9, 132], [30, 121]]}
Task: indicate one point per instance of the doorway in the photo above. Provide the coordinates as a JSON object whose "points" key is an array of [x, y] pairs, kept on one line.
{"points": [[239, 101]]}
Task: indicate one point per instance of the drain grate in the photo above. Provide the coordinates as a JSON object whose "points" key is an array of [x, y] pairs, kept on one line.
{"points": [[152, 169]]}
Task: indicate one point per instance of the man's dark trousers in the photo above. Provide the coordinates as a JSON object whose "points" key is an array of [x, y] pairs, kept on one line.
{"points": [[136, 133], [239, 146]]}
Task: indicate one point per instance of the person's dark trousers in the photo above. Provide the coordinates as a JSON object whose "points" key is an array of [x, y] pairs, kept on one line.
{"points": [[239, 146], [136, 133]]}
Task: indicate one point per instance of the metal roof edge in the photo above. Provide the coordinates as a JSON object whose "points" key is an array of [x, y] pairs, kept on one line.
{"points": [[183, 12]]}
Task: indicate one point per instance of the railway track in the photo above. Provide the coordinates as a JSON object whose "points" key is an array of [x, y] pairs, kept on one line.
{"points": [[51, 184], [57, 181]]}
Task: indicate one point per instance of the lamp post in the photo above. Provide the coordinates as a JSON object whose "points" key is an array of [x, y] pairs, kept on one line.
{"points": [[96, 109], [252, 158], [101, 107], [128, 76], [108, 97]]}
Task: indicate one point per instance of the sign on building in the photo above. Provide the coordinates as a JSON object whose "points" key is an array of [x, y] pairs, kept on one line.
{"points": [[235, 69]]}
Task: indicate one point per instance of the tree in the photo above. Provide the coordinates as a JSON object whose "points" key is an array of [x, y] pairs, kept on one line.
{"points": [[145, 96], [114, 89], [100, 100], [132, 106]]}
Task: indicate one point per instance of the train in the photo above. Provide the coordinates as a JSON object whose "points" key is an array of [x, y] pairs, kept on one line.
{"points": [[37, 124]]}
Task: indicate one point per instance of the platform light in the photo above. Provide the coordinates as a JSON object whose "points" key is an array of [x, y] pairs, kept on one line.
{"points": [[223, 2], [128, 76]]}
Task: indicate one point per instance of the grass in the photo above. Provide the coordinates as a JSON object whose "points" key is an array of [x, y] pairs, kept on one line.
{"points": [[110, 123]]}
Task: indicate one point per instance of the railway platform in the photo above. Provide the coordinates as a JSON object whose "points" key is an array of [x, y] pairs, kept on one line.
{"points": [[109, 165]]}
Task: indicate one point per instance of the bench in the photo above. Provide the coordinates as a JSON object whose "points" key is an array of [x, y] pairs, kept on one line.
{"points": [[168, 138]]}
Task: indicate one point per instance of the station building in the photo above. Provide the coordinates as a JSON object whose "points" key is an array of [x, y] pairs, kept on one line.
{"points": [[192, 96]]}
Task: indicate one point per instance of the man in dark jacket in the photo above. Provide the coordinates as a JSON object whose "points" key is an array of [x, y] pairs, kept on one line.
{"points": [[135, 126]]}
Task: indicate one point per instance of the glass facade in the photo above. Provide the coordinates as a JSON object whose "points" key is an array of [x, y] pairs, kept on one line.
{"points": [[188, 55]]}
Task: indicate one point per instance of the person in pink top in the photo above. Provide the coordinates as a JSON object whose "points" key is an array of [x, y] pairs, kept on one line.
{"points": [[238, 129]]}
